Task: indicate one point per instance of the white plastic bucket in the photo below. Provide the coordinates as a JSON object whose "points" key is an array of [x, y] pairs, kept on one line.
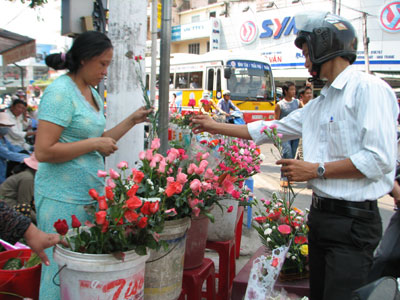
{"points": [[223, 228], [164, 269], [100, 276]]}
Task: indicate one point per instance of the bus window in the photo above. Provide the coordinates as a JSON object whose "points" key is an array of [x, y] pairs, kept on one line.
{"points": [[182, 81], [210, 79], [196, 79], [171, 80]]}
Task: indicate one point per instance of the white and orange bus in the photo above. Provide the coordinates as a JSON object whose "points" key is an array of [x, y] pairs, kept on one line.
{"points": [[248, 77]]}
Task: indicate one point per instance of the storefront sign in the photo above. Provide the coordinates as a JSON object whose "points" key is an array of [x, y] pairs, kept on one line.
{"points": [[248, 32], [19, 53], [389, 17], [215, 36], [191, 31], [269, 28]]}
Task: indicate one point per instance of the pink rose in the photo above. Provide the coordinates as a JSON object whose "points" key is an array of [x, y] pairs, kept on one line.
{"points": [[113, 174], [111, 183], [205, 155], [101, 173], [191, 169], [155, 144], [209, 174], [181, 177], [122, 164], [230, 209], [196, 211], [172, 212], [195, 186], [235, 194], [280, 135], [149, 154], [273, 126], [161, 166], [284, 229], [142, 155], [203, 164]]}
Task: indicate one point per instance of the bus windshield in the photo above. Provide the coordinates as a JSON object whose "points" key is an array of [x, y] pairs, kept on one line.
{"points": [[250, 81]]}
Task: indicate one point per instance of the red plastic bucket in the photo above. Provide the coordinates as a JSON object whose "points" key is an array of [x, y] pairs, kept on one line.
{"points": [[24, 282]]}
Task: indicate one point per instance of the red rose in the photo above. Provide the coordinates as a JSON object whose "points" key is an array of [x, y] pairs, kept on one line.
{"points": [[142, 222], [133, 203], [104, 227], [93, 193], [132, 191], [154, 206], [300, 239], [138, 176], [120, 222], [102, 203], [109, 193], [101, 217], [75, 222], [145, 208], [131, 216], [61, 226], [260, 219]]}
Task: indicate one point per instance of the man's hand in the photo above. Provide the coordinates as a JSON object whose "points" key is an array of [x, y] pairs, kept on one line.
{"points": [[298, 170], [203, 123]]}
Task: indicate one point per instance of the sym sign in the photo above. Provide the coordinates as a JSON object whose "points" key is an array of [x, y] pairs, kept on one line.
{"points": [[269, 28], [389, 17]]}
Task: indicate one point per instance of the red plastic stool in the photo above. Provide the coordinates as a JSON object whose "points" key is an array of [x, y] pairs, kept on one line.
{"points": [[227, 266], [193, 280], [238, 230]]}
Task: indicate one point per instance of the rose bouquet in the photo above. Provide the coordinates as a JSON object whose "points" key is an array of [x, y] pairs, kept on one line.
{"points": [[184, 184], [123, 221], [279, 223]]}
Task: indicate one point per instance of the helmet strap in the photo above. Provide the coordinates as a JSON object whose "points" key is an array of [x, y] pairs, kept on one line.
{"points": [[315, 73]]}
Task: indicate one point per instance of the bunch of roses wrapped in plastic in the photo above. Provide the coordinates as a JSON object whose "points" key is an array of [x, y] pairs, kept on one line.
{"points": [[279, 223]]}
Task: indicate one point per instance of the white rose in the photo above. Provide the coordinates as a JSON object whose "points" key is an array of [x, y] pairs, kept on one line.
{"points": [[262, 156], [268, 240], [273, 227], [161, 190], [288, 255], [268, 231], [241, 151], [293, 257]]}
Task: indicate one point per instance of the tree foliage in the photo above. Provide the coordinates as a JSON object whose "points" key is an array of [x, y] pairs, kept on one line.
{"points": [[34, 3]]}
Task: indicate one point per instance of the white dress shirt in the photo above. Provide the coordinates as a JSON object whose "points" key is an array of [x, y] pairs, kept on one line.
{"points": [[355, 117], [16, 134]]}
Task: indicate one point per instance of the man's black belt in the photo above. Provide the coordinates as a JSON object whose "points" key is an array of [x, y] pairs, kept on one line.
{"points": [[365, 209]]}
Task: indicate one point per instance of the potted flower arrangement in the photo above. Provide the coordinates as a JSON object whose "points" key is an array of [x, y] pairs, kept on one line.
{"points": [[112, 249], [185, 186], [238, 159], [279, 223]]}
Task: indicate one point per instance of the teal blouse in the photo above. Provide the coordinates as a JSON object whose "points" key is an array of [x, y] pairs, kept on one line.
{"points": [[63, 104]]}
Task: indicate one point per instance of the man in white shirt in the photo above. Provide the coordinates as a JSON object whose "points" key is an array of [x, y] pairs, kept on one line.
{"points": [[18, 133], [349, 146]]}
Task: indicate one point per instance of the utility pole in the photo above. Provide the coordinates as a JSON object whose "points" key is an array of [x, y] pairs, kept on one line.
{"points": [[154, 53], [334, 6], [163, 99], [127, 29], [366, 42]]}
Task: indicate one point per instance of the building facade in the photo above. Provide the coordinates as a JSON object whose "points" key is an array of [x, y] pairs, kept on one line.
{"points": [[269, 28]]}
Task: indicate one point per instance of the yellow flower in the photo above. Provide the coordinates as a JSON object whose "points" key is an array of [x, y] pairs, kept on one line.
{"points": [[304, 249]]}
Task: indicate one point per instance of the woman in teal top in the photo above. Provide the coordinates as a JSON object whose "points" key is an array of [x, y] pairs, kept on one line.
{"points": [[71, 142]]}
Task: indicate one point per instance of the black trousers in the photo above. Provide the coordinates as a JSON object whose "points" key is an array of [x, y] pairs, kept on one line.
{"points": [[340, 252], [387, 256]]}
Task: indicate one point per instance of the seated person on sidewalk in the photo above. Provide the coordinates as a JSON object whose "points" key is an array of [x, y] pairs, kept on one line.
{"points": [[17, 190], [17, 134], [8, 152]]}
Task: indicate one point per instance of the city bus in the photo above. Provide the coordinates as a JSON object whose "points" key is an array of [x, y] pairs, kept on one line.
{"points": [[248, 77]]}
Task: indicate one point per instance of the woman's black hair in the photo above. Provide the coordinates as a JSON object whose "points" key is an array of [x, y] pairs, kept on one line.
{"points": [[86, 46]]}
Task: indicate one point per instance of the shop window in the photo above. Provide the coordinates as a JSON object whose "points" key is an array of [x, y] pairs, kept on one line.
{"points": [[213, 14]]}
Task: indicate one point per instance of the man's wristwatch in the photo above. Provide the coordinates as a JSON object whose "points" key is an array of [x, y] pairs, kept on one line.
{"points": [[321, 171]]}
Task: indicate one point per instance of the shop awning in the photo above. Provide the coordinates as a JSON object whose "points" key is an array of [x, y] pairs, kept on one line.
{"points": [[15, 47]]}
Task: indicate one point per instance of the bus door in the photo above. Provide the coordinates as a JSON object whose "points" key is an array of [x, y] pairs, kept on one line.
{"points": [[213, 82]]}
